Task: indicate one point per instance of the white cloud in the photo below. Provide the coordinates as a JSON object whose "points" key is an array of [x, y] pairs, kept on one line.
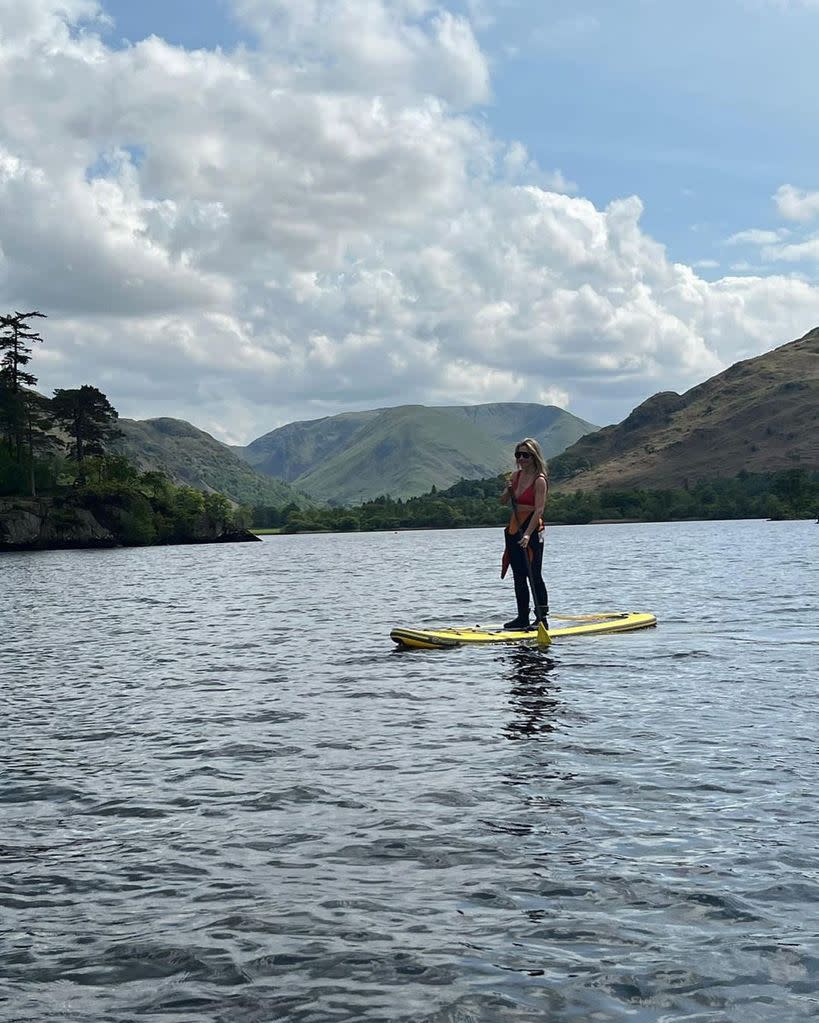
{"points": [[796, 203], [84, 246], [43, 23], [784, 245], [246, 238], [385, 47], [797, 252], [755, 236], [518, 167]]}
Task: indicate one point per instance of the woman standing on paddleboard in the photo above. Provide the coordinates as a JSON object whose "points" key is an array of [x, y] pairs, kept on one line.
{"points": [[526, 491]]}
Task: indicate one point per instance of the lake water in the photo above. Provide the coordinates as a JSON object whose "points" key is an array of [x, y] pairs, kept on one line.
{"points": [[226, 797]]}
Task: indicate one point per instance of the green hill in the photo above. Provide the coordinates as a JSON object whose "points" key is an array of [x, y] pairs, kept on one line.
{"points": [[296, 449], [192, 457], [508, 422], [405, 451], [402, 452], [760, 415]]}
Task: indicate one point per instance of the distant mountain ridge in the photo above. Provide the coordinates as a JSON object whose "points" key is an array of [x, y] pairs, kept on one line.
{"points": [[192, 457], [406, 450], [761, 415]]}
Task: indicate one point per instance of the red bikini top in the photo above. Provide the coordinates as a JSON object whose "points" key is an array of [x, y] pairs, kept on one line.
{"points": [[528, 495]]}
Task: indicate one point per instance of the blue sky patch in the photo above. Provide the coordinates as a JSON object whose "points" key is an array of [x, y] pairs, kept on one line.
{"points": [[194, 24], [107, 164]]}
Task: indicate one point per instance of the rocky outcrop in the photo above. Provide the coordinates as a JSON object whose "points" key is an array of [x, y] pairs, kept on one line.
{"points": [[654, 412], [55, 523], [49, 523]]}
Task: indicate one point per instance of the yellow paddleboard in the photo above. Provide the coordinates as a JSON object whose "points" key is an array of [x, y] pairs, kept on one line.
{"points": [[559, 626]]}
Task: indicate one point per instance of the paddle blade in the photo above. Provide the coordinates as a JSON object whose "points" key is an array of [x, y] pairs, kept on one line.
{"points": [[543, 637]]}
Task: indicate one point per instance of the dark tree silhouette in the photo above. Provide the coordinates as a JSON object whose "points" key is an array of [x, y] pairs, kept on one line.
{"points": [[37, 424], [9, 413], [16, 335], [88, 417]]}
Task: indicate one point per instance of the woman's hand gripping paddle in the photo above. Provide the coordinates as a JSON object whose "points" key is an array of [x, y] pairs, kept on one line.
{"points": [[543, 637]]}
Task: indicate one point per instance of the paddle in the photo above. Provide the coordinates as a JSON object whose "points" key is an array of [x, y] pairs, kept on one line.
{"points": [[543, 637]]}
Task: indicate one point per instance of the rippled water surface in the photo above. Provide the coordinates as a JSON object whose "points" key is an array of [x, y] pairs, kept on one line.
{"points": [[226, 797]]}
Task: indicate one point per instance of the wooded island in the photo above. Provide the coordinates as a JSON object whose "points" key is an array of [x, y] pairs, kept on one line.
{"points": [[60, 485]]}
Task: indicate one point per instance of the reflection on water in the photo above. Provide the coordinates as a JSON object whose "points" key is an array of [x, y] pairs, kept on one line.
{"points": [[533, 691]]}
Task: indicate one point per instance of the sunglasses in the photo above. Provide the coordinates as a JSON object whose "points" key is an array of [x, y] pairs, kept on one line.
{"points": [[523, 454]]}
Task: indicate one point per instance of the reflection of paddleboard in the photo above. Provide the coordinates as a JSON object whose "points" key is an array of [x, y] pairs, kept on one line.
{"points": [[576, 625]]}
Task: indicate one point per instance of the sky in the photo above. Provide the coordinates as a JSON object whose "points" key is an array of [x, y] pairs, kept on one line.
{"points": [[244, 213]]}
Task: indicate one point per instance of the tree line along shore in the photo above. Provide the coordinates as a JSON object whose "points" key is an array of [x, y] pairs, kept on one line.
{"points": [[789, 494]]}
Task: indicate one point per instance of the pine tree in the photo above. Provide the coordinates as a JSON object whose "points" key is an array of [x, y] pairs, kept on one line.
{"points": [[37, 425], [9, 414], [16, 335], [88, 417]]}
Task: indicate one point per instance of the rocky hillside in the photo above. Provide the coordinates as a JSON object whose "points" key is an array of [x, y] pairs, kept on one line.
{"points": [[761, 415], [194, 458], [407, 450]]}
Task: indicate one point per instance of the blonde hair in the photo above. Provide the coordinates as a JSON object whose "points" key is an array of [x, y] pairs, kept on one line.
{"points": [[532, 446]]}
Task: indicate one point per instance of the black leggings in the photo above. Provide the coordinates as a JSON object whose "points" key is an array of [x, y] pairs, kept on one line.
{"points": [[517, 562]]}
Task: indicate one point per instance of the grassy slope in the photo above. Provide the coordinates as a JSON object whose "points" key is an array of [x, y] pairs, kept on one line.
{"points": [[509, 422], [761, 415], [296, 449], [403, 452], [192, 457]]}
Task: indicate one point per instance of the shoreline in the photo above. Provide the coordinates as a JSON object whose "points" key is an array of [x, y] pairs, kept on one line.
{"points": [[89, 521], [241, 536], [552, 525]]}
